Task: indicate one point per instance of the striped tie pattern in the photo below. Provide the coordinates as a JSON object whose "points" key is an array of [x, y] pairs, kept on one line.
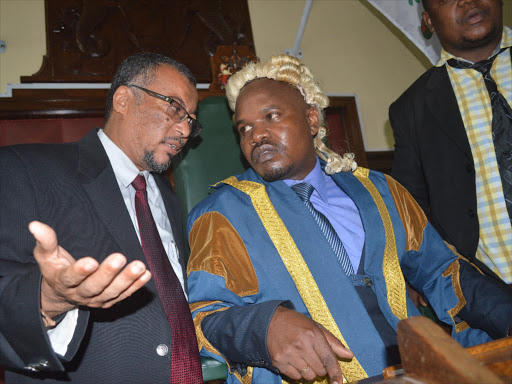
{"points": [[304, 191]]}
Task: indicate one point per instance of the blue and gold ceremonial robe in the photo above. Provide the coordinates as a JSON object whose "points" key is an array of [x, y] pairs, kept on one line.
{"points": [[254, 241]]}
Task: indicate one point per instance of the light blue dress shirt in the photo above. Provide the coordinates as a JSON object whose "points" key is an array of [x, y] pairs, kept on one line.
{"points": [[339, 209]]}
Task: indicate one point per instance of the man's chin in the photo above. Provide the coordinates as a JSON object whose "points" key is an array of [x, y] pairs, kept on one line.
{"points": [[273, 173], [155, 166], [479, 39]]}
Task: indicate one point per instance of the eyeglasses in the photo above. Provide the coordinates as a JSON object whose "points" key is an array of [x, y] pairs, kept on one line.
{"points": [[175, 111]]}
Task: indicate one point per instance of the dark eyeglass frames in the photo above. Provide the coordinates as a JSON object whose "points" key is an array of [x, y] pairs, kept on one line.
{"points": [[175, 111]]}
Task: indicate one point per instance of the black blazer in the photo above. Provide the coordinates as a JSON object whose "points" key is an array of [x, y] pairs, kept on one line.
{"points": [[433, 159], [72, 188]]}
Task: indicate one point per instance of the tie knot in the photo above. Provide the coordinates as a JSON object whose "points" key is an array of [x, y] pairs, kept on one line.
{"points": [[139, 183], [303, 190], [484, 66]]}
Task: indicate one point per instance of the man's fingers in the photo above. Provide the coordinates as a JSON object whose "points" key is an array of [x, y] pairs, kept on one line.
{"points": [[47, 252], [46, 239], [311, 367], [339, 349], [123, 281], [311, 364], [330, 356], [139, 283], [76, 273], [102, 277], [330, 362]]}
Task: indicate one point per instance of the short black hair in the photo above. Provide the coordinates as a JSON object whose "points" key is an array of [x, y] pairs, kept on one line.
{"points": [[425, 4], [141, 67]]}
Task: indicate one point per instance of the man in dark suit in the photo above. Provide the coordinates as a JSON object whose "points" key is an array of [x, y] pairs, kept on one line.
{"points": [[85, 308], [452, 146]]}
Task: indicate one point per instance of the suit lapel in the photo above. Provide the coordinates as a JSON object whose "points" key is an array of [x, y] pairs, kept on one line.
{"points": [[100, 183], [443, 109]]}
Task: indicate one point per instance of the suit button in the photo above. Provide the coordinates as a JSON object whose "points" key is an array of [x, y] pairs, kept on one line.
{"points": [[368, 282], [471, 213], [162, 350], [469, 168]]}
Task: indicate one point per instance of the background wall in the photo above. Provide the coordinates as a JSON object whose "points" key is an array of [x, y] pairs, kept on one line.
{"points": [[22, 28], [350, 47]]}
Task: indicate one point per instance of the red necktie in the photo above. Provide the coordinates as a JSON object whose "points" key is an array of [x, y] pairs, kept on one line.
{"points": [[185, 361]]}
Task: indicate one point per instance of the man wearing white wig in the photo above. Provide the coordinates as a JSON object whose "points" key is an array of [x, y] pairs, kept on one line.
{"points": [[298, 266]]}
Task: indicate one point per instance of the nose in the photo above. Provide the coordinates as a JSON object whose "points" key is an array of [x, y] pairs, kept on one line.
{"points": [[259, 134], [182, 128]]}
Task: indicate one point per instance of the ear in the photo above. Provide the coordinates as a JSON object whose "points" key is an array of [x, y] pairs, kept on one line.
{"points": [[121, 100], [425, 20], [314, 120]]}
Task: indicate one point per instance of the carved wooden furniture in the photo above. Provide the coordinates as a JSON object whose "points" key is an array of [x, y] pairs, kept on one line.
{"points": [[87, 40], [430, 356], [228, 60]]}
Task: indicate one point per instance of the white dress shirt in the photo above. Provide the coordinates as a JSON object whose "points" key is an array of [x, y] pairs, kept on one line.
{"points": [[125, 172]]}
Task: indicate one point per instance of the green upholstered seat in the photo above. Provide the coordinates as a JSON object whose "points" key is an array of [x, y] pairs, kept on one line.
{"points": [[212, 158], [213, 369]]}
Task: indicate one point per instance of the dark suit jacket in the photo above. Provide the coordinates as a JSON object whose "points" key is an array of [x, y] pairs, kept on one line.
{"points": [[72, 188], [433, 159]]}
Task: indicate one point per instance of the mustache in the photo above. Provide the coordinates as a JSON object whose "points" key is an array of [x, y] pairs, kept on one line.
{"points": [[180, 140]]}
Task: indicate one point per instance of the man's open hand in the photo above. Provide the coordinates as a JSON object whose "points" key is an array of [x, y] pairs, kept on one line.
{"points": [[68, 283], [303, 349]]}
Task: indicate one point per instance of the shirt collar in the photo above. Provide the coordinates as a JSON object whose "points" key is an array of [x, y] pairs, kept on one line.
{"points": [[316, 178], [506, 41], [124, 169]]}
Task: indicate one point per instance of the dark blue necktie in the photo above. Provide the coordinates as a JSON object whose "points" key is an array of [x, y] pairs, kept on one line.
{"points": [[304, 191]]}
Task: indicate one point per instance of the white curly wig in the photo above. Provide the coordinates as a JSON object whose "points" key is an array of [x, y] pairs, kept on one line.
{"points": [[290, 70]]}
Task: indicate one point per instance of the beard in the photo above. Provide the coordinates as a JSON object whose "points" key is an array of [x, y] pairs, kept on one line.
{"points": [[275, 173], [153, 165]]}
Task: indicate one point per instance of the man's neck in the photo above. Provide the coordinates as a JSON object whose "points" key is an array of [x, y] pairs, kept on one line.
{"points": [[475, 55]]}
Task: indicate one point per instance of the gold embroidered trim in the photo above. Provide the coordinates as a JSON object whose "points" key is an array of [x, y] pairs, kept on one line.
{"points": [[201, 304], [395, 282], [452, 248], [454, 270], [203, 342], [296, 267]]}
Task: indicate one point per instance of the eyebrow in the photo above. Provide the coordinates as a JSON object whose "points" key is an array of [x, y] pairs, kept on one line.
{"points": [[264, 110], [269, 108], [178, 99]]}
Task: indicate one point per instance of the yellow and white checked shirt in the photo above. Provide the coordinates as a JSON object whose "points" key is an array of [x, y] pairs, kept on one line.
{"points": [[495, 244]]}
